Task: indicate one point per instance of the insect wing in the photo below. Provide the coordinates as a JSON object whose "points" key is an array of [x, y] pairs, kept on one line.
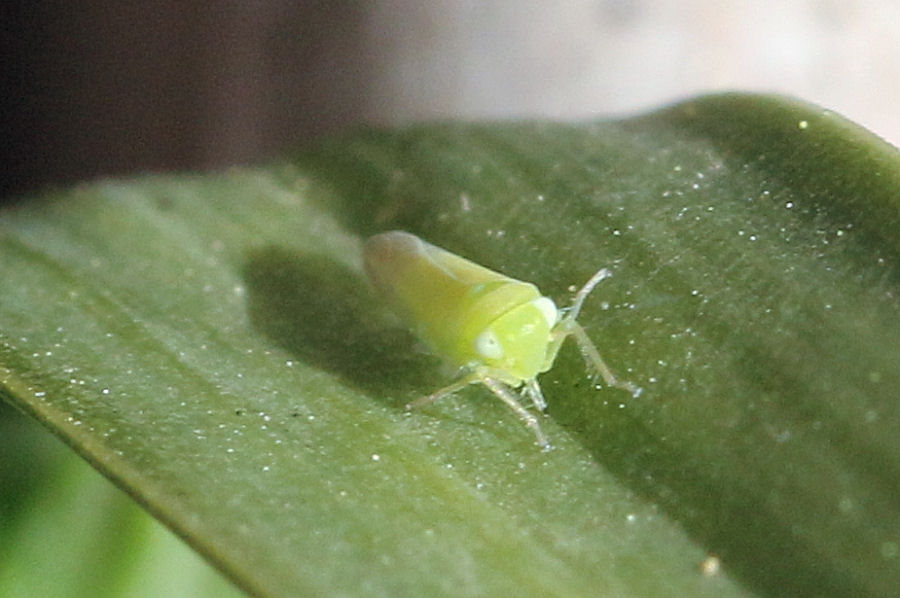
{"points": [[446, 299]]}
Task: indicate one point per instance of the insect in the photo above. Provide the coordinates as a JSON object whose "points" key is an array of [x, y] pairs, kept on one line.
{"points": [[500, 331]]}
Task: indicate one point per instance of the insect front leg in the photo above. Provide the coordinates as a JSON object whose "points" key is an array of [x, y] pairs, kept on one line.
{"points": [[568, 326], [582, 294], [595, 362], [506, 395], [533, 390], [502, 391]]}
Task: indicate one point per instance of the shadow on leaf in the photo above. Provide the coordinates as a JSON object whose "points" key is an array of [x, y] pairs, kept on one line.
{"points": [[326, 315]]}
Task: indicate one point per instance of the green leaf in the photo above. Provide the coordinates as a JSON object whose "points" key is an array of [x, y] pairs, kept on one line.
{"points": [[210, 344]]}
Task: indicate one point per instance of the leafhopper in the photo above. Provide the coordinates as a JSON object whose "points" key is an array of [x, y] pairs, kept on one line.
{"points": [[499, 331]]}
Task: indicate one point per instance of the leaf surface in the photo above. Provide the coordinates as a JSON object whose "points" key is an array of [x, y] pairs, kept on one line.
{"points": [[211, 345]]}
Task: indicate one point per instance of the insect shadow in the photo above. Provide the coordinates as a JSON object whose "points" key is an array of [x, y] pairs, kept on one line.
{"points": [[325, 314]]}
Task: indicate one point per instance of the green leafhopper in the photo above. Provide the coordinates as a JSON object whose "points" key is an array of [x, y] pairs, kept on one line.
{"points": [[500, 331]]}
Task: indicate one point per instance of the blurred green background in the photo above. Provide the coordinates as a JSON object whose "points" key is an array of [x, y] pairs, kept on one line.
{"points": [[65, 530]]}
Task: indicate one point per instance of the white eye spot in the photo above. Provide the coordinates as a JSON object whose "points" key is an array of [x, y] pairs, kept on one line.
{"points": [[547, 309], [488, 346]]}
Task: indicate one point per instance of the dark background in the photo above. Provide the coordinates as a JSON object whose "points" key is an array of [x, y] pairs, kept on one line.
{"points": [[105, 88], [111, 88]]}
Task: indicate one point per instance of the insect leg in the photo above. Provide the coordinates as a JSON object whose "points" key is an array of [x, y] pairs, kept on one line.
{"points": [[595, 362], [533, 390], [566, 326], [504, 394], [443, 392], [582, 294]]}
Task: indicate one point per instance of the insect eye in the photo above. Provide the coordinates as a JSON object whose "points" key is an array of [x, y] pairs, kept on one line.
{"points": [[548, 309], [488, 346]]}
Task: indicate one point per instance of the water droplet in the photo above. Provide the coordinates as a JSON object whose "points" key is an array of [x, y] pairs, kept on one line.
{"points": [[710, 566]]}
